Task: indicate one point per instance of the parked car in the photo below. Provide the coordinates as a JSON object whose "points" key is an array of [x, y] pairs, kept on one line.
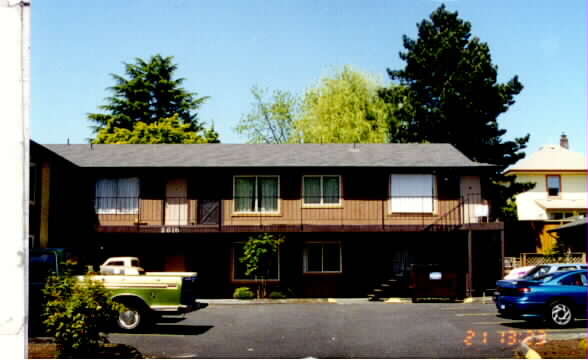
{"points": [[518, 272], [544, 269], [534, 271], [558, 297]]}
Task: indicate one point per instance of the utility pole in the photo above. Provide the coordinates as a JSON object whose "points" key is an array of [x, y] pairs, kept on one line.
{"points": [[15, 95]]}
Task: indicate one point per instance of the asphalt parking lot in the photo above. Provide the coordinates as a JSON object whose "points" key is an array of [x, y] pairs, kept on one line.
{"points": [[339, 330]]}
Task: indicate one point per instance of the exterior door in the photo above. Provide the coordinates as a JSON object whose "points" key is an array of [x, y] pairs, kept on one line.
{"points": [[176, 202]]}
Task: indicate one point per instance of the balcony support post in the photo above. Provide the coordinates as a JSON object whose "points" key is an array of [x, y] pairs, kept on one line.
{"points": [[502, 254], [469, 276]]}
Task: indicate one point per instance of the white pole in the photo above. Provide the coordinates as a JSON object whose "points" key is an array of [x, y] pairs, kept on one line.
{"points": [[14, 149]]}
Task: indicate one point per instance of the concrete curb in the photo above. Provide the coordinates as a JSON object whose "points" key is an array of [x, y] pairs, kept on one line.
{"points": [[525, 350], [393, 300]]}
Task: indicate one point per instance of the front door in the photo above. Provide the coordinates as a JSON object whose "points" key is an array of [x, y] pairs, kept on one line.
{"points": [[176, 202]]}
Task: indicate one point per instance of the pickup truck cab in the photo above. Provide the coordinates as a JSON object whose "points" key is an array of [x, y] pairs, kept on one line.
{"points": [[146, 295]]}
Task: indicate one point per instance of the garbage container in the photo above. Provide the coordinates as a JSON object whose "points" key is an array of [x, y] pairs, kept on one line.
{"points": [[435, 281]]}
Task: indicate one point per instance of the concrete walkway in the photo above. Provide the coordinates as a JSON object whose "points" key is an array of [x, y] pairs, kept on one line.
{"points": [[471, 300]]}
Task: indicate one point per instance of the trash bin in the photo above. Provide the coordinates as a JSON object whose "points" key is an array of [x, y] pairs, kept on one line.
{"points": [[435, 281]]}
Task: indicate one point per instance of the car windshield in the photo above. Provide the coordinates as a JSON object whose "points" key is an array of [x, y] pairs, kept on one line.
{"points": [[537, 272], [545, 277]]}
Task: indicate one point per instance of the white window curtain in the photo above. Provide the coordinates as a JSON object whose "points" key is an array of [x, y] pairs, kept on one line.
{"points": [[331, 189], [322, 190], [312, 190], [117, 196], [128, 195], [256, 194], [411, 193], [268, 194], [106, 196], [245, 194]]}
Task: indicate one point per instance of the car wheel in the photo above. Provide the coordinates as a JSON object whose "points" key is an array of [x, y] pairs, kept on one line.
{"points": [[560, 314], [131, 319]]}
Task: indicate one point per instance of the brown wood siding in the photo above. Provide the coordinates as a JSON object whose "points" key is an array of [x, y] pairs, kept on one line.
{"points": [[351, 212], [364, 199]]}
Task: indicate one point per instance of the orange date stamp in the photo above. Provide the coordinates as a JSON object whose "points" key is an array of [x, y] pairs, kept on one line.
{"points": [[505, 337]]}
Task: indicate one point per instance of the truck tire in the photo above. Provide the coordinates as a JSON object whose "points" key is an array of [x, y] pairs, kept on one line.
{"points": [[131, 319]]}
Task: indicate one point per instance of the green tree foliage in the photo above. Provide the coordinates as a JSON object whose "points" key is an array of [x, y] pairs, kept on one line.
{"points": [[166, 131], [450, 94], [270, 121], [147, 96], [260, 256], [77, 313], [345, 109]]}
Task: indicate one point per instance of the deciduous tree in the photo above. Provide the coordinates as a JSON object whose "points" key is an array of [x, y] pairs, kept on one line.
{"points": [[345, 108], [270, 121]]}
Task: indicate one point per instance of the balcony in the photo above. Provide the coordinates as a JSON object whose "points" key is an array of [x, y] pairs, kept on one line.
{"points": [[271, 214]]}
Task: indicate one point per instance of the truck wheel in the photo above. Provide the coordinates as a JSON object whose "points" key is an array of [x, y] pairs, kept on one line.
{"points": [[560, 314], [131, 319]]}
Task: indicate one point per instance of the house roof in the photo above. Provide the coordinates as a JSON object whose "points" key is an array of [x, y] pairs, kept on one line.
{"points": [[572, 225], [551, 158], [561, 204], [265, 155]]}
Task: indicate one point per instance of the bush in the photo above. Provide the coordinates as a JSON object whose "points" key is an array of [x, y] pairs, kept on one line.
{"points": [[77, 313], [243, 293], [277, 295]]}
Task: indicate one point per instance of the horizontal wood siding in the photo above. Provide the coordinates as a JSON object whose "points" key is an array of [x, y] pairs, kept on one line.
{"points": [[151, 212]]}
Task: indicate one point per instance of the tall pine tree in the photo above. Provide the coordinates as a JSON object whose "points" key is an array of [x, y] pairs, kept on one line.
{"points": [[147, 96], [450, 94]]}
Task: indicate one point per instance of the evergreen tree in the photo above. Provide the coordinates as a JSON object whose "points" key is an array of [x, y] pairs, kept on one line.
{"points": [[450, 94], [148, 95]]}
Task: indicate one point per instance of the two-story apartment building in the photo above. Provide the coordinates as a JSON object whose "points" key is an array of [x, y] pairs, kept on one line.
{"points": [[352, 214], [559, 195]]}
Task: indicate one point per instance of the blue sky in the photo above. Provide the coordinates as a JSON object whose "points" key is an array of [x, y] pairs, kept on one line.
{"points": [[223, 48]]}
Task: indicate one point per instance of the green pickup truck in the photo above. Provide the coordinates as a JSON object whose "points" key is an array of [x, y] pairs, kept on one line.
{"points": [[147, 296]]}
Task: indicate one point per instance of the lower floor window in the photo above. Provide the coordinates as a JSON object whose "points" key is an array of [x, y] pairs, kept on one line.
{"points": [[239, 268], [322, 257]]}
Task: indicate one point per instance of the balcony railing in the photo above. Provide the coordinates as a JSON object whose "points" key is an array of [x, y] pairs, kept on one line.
{"points": [[331, 211]]}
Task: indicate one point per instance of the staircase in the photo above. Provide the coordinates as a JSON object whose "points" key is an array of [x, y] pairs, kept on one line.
{"points": [[388, 288]]}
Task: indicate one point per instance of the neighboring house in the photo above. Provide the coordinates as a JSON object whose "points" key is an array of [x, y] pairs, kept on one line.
{"points": [[559, 195], [352, 215]]}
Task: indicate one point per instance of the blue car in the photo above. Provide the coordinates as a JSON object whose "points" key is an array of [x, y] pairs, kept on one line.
{"points": [[558, 297]]}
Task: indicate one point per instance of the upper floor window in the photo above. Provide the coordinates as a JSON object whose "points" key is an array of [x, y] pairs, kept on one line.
{"points": [[411, 193], [553, 185], [117, 196], [256, 194], [322, 190]]}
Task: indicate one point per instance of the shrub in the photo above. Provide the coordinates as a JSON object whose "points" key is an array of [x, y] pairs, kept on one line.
{"points": [[243, 293], [277, 295], [77, 313], [260, 256]]}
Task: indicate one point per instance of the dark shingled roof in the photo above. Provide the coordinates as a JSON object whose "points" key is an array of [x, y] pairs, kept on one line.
{"points": [[264, 155]]}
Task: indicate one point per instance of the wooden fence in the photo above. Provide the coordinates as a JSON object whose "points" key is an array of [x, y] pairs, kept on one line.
{"points": [[537, 259]]}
